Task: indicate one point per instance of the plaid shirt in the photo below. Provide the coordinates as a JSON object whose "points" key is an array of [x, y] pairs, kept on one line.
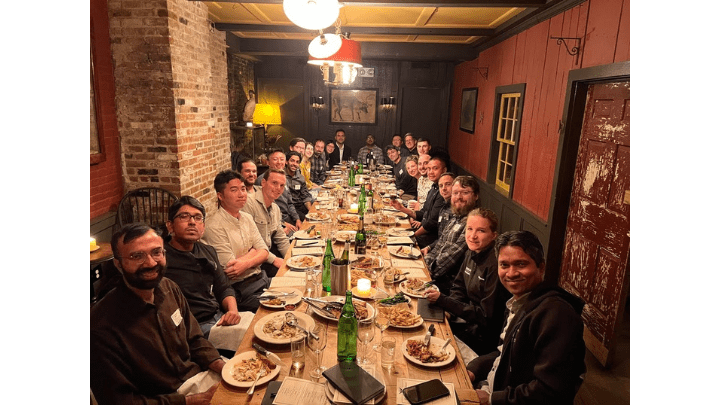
{"points": [[447, 252], [318, 167], [376, 151]]}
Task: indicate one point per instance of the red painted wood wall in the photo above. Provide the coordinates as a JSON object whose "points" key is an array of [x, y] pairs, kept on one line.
{"points": [[106, 186], [531, 57]]}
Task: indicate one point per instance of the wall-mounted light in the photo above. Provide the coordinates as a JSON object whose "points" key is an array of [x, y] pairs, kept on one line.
{"points": [[318, 103], [388, 103]]}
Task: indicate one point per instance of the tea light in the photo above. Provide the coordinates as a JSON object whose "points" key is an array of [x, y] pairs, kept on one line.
{"points": [[93, 244], [363, 287], [353, 208]]}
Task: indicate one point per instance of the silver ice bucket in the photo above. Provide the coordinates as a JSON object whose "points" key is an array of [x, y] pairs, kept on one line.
{"points": [[339, 277]]}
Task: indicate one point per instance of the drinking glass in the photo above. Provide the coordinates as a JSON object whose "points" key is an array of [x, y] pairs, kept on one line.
{"points": [[382, 322], [369, 216], [317, 346], [366, 333], [317, 278], [310, 284], [387, 354], [297, 348]]}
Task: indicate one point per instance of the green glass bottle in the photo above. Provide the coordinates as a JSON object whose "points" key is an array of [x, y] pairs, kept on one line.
{"points": [[361, 238], [347, 331], [351, 177], [345, 258], [362, 201], [329, 255], [360, 168], [370, 198]]}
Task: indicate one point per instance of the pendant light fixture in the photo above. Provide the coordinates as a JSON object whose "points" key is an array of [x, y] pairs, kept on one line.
{"points": [[312, 14], [344, 63]]}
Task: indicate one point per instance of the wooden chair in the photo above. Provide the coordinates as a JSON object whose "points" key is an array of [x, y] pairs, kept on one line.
{"points": [[148, 205]]}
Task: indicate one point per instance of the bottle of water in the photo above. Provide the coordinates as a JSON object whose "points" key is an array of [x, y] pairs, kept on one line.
{"points": [[347, 331]]}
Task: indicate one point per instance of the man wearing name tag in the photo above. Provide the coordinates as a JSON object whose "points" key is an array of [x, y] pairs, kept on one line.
{"points": [[301, 197], [144, 340]]}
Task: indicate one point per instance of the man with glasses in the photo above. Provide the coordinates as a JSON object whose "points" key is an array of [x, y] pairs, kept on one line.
{"points": [[144, 340], [411, 144], [443, 256], [236, 239], [196, 269]]}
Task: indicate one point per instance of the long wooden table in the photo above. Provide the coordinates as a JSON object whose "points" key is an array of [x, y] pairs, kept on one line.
{"points": [[454, 373]]}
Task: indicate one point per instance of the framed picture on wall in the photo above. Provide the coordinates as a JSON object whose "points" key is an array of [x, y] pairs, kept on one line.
{"points": [[348, 106], [468, 107]]}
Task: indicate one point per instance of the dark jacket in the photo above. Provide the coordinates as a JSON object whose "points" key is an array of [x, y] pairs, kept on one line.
{"points": [[543, 355], [478, 297], [334, 158]]}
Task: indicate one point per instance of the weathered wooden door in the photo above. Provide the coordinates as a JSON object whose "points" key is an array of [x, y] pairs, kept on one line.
{"points": [[595, 262]]}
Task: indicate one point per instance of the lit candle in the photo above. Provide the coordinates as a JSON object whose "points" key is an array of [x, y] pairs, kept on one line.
{"points": [[93, 244], [353, 207], [363, 287]]}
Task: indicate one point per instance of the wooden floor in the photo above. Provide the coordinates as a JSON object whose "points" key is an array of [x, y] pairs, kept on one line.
{"points": [[612, 385]]}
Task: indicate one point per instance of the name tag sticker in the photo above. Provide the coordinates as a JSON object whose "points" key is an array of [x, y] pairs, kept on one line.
{"points": [[480, 278], [467, 271], [297, 187], [440, 219], [457, 227], [176, 317], [401, 171]]}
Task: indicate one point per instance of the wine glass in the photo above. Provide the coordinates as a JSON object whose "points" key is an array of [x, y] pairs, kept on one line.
{"points": [[317, 271], [318, 345], [382, 322], [366, 333]]}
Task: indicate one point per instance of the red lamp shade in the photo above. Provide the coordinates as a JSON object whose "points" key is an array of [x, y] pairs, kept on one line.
{"points": [[349, 53]]}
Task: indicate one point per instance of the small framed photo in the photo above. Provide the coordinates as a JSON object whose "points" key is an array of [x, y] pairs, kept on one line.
{"points": [[468, 107]]}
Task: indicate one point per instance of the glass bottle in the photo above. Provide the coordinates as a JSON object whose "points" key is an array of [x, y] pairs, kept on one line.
{"points": [[361, 238], [329, 255], [362, 200], [360, 168], [345, 258], [347, 331], [370, 198], [351, 177]]}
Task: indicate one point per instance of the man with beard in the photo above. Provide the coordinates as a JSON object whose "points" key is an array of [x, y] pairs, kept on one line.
{"points": [[144, 341], [342, 152], [301, 197], [290, 217], [318, 163], [443, 256], [476, 301], [196, 269], [261, 206], [369, 148], [236, 239], [248, 169]]}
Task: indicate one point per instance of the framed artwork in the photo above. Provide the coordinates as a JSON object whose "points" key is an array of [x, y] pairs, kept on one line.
{"points": [[349, 106], [468, 107]]}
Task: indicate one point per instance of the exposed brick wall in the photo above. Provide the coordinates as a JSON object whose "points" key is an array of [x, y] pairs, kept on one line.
{"points": [[171, 95], [106, 186]]}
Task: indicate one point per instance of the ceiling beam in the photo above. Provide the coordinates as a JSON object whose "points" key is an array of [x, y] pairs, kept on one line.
{"points": [[370, 50], [470, 32], [411, 3]]}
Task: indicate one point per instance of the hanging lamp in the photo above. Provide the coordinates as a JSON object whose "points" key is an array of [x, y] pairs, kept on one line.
{"points": [[312, 14]]}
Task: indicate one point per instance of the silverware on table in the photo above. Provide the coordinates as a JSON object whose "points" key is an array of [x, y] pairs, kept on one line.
{"points": [[291, 320], [270, 355], [429, 333], [259, 375]]}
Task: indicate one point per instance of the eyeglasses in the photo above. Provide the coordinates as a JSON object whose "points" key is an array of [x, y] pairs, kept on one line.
{"points": [[140, 257], [185, 217]]}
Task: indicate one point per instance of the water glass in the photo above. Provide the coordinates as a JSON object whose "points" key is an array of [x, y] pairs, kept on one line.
{"points": [[318, 345], [297, 348], [387, 353], [366, 333], [310, 283]]}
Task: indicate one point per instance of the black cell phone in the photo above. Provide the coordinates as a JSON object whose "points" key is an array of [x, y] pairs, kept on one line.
{"points": [[424, 392]]}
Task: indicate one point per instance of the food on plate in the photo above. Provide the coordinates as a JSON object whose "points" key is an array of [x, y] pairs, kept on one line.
{"points": [[305, 261], [248, 369], [404, 250], [320, 216], [361, 311], [423, 353], [277, 328], [365, 263], [400, 315], [384, 219], [417, 285], [356, 275], [347, 227], [349, 219], [344, 236], [399, 298], [274, 301]]}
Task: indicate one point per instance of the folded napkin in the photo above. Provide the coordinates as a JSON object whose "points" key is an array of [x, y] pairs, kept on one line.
{"points": [[199, 383], [304, 243], [314, 251], [399, 240], [228, 337], [408, 264], [289, 280]]}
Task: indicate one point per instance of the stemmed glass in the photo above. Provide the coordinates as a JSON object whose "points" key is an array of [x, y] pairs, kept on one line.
{"points": [[382, 322], [366, 333], [318, 345]]}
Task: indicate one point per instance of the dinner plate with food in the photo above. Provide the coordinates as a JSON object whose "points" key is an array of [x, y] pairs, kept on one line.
{"points": [[304, 235], [242, 369], [416, 288], [367, 263], [400, 232], [318, 216], [349, 218], [406, 252], [395, 213], [429, 356], [385, 219], [272, 328], [363, 310], [345, 236], [398, 275], [280, 301], [401, 316], [303, 262], [347, 227]]}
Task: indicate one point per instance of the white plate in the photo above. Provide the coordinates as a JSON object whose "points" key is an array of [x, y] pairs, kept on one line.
{"points": [[295, 262], [403, 253], [415, 325], [315, 216], [356, 294], [400, 232], [341, 299], [304, 320], [349, 218], [348, 236], [229, 367], [435, 345], [304, 235], [387, 220], [395, 213], [288, 301], [413, 293]]}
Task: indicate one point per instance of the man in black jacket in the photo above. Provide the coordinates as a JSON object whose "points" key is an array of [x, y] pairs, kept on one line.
{"points": [[542, 355], [342, 152]]}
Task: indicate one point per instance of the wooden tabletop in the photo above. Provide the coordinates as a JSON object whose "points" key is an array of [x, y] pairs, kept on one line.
{"points": [[101, 255], [454, 373]]}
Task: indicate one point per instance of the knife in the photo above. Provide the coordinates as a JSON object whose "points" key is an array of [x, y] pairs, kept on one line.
{"points": [[310, 230], [429, 333], [270, 355], [272, 297], [319, 308]]}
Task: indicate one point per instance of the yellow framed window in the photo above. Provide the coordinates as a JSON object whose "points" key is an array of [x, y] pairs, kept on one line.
{"points": [[506, 136]]}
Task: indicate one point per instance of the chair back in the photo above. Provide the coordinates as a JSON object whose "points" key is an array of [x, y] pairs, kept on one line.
{"points": [[148, 205]]}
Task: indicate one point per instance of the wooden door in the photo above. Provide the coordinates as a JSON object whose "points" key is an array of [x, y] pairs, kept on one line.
{"points": [[596, 254]]}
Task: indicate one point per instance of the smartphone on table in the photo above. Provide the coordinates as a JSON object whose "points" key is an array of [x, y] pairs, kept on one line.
{"points": [[425, 392]]}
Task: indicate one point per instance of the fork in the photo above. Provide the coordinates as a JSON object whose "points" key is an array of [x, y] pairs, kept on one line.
{"points": [[257, 377]]}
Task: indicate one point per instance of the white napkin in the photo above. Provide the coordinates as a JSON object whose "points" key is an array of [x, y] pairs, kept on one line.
{"points": [[289, 280], [408, 264], [399, 240], [309, 243], [313, 251], [199, 383], [228, 337]]}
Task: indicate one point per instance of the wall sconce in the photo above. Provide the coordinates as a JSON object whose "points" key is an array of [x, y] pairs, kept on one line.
{"points": [[318, 103], [388, 103]]}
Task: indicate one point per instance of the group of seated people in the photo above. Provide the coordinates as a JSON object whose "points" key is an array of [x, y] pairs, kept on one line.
{"points": [[149, 335]]}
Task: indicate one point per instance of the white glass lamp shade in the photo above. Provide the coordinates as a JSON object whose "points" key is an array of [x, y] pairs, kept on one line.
{"points": [[324, 45], [312, 14]]}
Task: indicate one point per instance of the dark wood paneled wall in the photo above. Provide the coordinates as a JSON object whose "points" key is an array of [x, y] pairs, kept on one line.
{"points": [[392, 79]]}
